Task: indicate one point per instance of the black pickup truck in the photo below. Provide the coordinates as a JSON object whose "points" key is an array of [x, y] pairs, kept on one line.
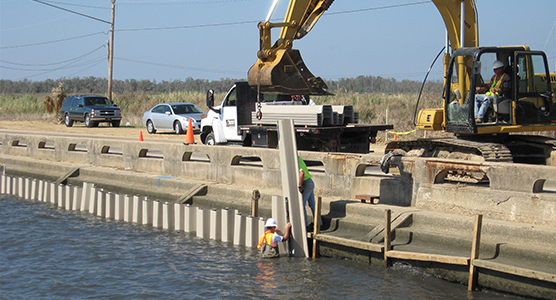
{"points": [[90, 109]]}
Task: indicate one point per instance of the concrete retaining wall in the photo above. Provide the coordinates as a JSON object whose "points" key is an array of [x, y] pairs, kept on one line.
{"points": [[515, 192]]}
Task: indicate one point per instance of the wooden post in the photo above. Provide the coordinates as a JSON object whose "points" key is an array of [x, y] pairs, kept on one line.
{"points": [[387, 221], [255, 203], [475, 247], [317, 225]]}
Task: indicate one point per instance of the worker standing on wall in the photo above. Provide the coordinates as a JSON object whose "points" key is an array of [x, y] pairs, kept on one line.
{"points": [[306, 188], [268, 244]]}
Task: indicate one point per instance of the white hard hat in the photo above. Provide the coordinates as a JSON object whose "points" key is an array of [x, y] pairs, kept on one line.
{"points": [[497, 64], [271, 223]]}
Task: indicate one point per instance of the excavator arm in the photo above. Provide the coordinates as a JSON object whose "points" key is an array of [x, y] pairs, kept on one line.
{"points": [[280, 69]]}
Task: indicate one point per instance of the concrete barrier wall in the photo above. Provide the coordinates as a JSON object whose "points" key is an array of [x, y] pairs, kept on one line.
{"points": [[514, 191], [215, 224], [220, 164]]}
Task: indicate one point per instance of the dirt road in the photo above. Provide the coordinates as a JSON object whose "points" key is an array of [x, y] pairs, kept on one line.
{"points": [[80, 129]]}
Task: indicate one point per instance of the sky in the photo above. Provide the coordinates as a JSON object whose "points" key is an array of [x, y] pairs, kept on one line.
{"points": [[215, 39]]}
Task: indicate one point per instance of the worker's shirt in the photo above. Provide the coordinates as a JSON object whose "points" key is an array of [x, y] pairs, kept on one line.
{"points": [[503, 82], [303, 167], [268, 244]]}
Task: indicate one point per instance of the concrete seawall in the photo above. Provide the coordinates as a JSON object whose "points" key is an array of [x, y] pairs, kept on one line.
{"points": [[431, 213]]}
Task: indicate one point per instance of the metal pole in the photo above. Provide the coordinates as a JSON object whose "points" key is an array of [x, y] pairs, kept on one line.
{"points": [[111, 51]]}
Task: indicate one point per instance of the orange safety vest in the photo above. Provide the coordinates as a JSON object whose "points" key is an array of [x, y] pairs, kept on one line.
{"points": [[266, 238]]}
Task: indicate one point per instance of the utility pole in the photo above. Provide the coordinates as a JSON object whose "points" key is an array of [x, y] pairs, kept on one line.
{"points": [[111, 51]]}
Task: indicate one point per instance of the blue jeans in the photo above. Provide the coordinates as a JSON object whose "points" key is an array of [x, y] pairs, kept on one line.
{"points": [[482, 102], [308, 196]]}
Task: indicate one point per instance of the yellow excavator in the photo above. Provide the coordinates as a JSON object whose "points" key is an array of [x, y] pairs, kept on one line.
{"points": [[529, 105]]}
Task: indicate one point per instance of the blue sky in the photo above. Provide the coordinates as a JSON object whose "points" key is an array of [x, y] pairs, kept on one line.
{"points": [[219, 38]]}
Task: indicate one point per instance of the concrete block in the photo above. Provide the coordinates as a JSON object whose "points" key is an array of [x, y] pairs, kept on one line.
{"points": [[119, 209], [9, 185], [227, 225], [110, 205], [239, 229], [190, 218], [128, 208], [157, 213], [77, 193], [147, 212], [203, 223], [101, 203], [179, 212], [261, 228], [168, 216], [215, 231]]}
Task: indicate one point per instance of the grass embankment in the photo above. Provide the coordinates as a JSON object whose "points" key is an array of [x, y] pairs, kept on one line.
{"points": [[397, 109]]}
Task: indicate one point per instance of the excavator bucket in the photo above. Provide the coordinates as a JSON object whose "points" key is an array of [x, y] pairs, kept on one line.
{"points": [[286, 74]]}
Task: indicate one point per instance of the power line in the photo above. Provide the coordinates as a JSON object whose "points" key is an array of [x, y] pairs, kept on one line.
{"points": [[81, 5], [55, 41], [179, 2], [190, 26], [55, 63], [377, 8], [71, 11], [182, 67]]}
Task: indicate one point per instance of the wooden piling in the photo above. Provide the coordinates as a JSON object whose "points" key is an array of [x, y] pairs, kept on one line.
{"points": [[387, 237], [475, 247], [317, 225]]}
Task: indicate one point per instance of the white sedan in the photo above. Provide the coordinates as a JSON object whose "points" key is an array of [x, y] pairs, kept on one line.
{"points": [[173, 116]]}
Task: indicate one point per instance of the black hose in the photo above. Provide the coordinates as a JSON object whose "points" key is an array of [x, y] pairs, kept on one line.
{"points": [[423, 85]]}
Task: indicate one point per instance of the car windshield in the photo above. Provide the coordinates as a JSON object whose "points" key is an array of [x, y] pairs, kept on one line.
{"points": [[98, 101], [182, 109]]}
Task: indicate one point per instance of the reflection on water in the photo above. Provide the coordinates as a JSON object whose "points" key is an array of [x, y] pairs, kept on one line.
{"points": [[49, 253]]}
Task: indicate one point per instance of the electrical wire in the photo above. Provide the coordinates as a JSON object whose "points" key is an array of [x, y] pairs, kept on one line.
{"points": [[71, 11], [188, 26], [181, 67], [377, 8], [55, 63], [55, 41], [179, 2], [81, 5]]}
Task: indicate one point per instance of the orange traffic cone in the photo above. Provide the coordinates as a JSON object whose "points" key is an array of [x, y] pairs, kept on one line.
{"points": [[189, 139], [140, 136], [395, 137]]}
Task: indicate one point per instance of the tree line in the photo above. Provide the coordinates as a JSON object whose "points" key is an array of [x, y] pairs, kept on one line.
{"points": [[98, 85]]}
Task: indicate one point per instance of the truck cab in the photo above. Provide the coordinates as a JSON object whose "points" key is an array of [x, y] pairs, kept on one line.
{"points": [[221, 126]]}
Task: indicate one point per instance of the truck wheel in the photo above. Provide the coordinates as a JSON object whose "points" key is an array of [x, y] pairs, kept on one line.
{"points": [[88, 121], [177, 128], [68, 121], [150, 127], [210, 139], [115, 123]]}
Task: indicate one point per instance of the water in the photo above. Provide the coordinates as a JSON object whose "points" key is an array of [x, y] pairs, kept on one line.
{"points": [[49, 253]]}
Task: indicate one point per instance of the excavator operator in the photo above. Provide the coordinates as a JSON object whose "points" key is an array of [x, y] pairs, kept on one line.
{"points": [[498, 89]]}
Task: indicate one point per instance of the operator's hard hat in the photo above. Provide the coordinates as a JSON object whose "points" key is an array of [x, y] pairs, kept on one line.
{"points": [[497, 64], [271, 223]]}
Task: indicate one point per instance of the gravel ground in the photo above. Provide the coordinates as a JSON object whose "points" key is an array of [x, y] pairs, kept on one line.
{"points": [[102, 130]]}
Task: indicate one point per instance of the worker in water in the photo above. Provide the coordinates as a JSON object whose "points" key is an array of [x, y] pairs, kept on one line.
{"points": [[499, 88], [306, 188], [268, 244]]}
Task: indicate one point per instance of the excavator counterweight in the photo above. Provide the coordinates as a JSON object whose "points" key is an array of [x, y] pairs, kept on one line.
{"points": [[286, 74]]}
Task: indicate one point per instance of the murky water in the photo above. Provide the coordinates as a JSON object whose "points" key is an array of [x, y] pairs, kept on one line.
{"points": [[49, 253]]}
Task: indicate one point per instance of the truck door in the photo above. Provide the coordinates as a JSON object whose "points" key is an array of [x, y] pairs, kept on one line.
{"points": [[229, 116]]}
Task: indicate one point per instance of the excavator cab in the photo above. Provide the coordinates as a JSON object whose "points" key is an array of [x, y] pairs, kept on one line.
{"points": [[528, 103]]}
